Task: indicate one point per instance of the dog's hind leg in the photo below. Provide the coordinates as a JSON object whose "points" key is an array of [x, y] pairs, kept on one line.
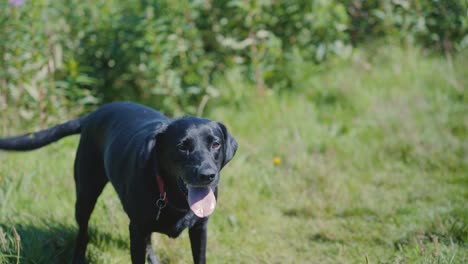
{"points": [[90, 180], [152, 258]]}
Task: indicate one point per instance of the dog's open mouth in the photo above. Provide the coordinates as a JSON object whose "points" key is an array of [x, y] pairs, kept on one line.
{"points": [[202, 200]]}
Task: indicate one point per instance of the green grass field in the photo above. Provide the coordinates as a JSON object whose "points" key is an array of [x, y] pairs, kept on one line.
{"points": [[373, 169]]}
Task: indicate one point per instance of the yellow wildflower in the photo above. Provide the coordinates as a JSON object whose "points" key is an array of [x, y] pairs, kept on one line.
{"points": [[276, 160]]}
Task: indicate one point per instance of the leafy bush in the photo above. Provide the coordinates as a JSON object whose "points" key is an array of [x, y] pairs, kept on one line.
{"points": [[59, 56], [37, 73], [441, 24]]}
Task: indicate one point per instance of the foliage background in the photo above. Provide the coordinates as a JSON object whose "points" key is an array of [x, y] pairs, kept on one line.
{"points": [[59, 55]]}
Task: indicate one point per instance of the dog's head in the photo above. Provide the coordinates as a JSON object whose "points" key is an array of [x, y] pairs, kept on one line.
{"points": [[194, 150]]}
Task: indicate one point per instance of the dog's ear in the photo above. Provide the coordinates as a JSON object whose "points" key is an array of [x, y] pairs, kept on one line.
{"points": [[230, 144], [151, 140]]}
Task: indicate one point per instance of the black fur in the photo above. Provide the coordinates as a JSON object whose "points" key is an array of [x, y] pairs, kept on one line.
{"points": [[129, 144]]}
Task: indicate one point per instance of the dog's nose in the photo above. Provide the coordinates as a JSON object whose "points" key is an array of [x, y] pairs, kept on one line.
{"points": [[207, 175]]}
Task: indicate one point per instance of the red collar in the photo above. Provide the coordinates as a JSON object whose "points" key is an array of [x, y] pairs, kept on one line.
{"points": [[162, 192], [162, 201]]}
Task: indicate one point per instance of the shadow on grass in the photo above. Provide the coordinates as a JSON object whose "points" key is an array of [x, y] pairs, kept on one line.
{"points": [[50, 243]]}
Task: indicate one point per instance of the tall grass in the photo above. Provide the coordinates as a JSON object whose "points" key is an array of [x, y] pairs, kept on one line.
{"points": [[372, 169]]}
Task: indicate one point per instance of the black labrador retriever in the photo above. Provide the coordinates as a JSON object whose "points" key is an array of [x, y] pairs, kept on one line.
{"points": [[164, 171]]}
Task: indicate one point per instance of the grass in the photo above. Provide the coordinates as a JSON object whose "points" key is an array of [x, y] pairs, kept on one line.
{"points": [[373, 169]]}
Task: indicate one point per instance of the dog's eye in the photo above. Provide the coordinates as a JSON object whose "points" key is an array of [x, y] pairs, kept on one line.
{"points": [[185, 146], [215, 145]]}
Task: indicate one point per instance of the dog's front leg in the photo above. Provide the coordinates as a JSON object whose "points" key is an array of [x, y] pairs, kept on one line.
{"points": [[137, 244], [198, 237]]}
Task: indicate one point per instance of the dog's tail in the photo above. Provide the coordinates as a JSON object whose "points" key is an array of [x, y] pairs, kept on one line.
{"points": [[41, 138]]}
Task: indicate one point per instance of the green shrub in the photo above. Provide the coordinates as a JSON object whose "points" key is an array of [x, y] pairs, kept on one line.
{"points": [[38, 77], [440, 24], [58, 56]]}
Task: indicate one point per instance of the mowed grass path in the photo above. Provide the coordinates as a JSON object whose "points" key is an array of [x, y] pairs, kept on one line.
{"points": [[373, 170]]}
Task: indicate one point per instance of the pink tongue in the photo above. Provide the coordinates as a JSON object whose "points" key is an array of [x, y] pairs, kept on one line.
{"points": [[201, 200]]}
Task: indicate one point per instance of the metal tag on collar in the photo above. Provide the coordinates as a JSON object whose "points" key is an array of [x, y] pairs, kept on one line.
{"points": [[160, 204]]}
